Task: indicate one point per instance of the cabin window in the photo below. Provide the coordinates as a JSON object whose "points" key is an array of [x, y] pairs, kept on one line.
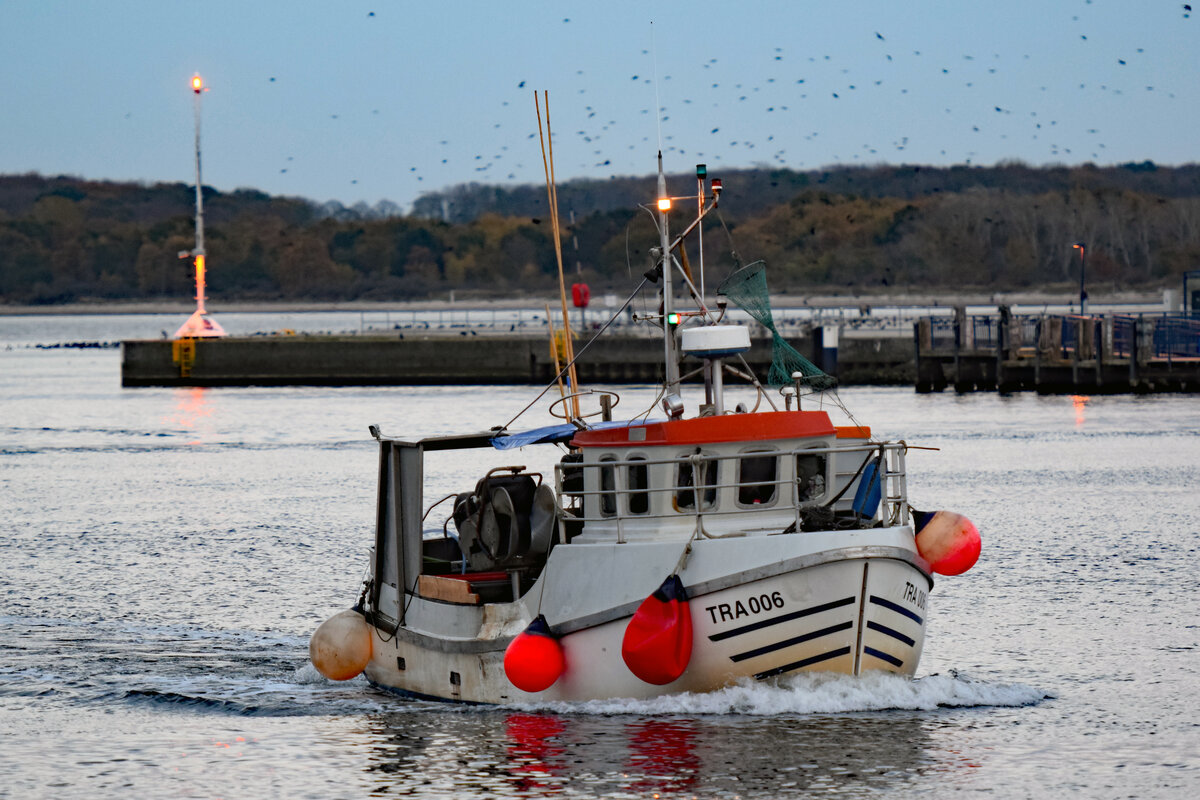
{"points": [[685, 491], [756, 479], [638, 481], [810, 478], [608, 487]]}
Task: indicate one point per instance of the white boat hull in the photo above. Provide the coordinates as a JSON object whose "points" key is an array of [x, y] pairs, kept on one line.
{"points": [[839, 614]]}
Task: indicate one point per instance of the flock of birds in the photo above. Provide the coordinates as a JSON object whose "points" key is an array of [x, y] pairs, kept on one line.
{"points": [[780, 105]]}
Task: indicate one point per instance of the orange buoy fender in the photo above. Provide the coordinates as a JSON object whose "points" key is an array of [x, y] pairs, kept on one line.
{"points": [[658, 639], [949, 542], [534, 659], [341, 646]]}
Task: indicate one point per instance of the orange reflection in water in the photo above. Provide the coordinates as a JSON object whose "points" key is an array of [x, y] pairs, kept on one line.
{"points": [[192, 409], [1080, 402]]}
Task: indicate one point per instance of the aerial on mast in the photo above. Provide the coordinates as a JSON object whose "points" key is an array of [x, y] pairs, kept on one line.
{"points": [[199, 324]]}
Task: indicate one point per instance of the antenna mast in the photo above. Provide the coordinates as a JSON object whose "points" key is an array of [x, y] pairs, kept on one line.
{"points": [[664, 205]]}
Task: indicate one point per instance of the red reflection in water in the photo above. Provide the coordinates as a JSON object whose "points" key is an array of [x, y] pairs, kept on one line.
{"points": [[533, 741], [663, 755], [1080, 402]]}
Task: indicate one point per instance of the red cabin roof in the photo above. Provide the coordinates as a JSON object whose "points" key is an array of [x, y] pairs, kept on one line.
{"points": [[707, 430]]}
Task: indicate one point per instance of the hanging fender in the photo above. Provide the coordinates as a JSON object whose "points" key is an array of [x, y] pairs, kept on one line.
{"points": [[534, 660], [949, 542], [658, 640]]}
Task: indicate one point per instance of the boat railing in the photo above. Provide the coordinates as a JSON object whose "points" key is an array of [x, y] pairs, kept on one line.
{"points": [[619, 493]]}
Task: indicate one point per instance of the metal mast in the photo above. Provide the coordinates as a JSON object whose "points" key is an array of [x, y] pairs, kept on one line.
{"points": [[664, 205]]}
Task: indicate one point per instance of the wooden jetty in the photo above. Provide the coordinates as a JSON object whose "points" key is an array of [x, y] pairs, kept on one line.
{"points": [[1058, 354]]}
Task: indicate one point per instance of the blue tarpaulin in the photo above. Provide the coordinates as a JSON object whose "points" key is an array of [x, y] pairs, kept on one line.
{"points": [[557, 433]]}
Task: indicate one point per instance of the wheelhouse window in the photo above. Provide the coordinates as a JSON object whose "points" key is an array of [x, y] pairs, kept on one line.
{"points": [[756, 479], [687, 485], [608, 487], [810, 478], [638, 481]]}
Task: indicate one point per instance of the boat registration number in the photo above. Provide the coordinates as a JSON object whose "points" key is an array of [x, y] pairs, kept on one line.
{"points": [[755, 604], [914, 595]]}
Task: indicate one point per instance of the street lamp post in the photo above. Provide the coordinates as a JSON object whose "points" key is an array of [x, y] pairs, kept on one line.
{"points": [[1083, 297]]}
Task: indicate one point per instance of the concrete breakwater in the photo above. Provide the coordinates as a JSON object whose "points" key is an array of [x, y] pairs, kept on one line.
{"points": [[364, 360]]}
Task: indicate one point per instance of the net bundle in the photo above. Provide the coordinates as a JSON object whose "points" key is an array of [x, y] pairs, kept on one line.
{"points": [[748, 289]]}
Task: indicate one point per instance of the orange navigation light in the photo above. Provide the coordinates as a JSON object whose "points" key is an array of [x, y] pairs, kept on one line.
{"points": [[200, 283], [197, 84], [664, 204]]}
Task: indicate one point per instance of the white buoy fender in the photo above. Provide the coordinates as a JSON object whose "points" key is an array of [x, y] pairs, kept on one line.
{"points": [[341, 647]]}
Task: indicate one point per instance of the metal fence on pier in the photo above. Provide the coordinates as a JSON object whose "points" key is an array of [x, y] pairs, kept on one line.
{"points": [[1067, 352]]}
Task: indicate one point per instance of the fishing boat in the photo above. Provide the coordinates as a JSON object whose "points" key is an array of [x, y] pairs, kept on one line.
{"points": [[680, 553]]}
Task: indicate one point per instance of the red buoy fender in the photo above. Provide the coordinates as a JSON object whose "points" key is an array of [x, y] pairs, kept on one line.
{"points": [[949, 542], [658, 640], [534, 659]]}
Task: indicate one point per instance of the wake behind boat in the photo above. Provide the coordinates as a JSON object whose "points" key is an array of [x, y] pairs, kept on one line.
{"points": [[680, 554]]}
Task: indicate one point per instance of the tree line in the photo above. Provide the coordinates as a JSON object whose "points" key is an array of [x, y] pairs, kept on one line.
{"points": [[862, 229]]}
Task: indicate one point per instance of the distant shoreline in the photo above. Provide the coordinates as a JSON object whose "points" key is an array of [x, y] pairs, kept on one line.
{"points": [[947, 299]]}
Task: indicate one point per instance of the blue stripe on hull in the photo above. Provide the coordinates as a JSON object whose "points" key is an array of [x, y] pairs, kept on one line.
{"points": [[897, 635], [804, 662], [895, 662], [888, 604], [771, 648], [766, 623]]}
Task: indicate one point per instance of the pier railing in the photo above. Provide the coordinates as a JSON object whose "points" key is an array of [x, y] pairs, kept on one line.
{"points": [[1064, 352]]}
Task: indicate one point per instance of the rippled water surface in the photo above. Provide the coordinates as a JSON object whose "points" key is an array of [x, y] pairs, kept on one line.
{"points": [[165, 554]]}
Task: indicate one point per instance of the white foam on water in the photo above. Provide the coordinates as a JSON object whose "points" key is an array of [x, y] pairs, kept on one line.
{"points": [[306, 673], [823, 693]]}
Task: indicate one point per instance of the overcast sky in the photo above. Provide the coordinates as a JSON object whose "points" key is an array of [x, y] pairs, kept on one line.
{"points": [[368, 101]]}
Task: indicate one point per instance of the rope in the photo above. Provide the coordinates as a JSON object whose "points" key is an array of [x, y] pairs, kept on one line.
{"points": [[577, 356]]}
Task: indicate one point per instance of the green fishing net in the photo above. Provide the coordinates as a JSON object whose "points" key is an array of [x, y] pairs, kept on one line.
{"points": [[748, 289]]}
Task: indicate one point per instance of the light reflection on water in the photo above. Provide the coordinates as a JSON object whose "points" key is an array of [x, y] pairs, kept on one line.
{"points": [[194, 407], [627, 756], [166, 554], [1080, 402]]}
